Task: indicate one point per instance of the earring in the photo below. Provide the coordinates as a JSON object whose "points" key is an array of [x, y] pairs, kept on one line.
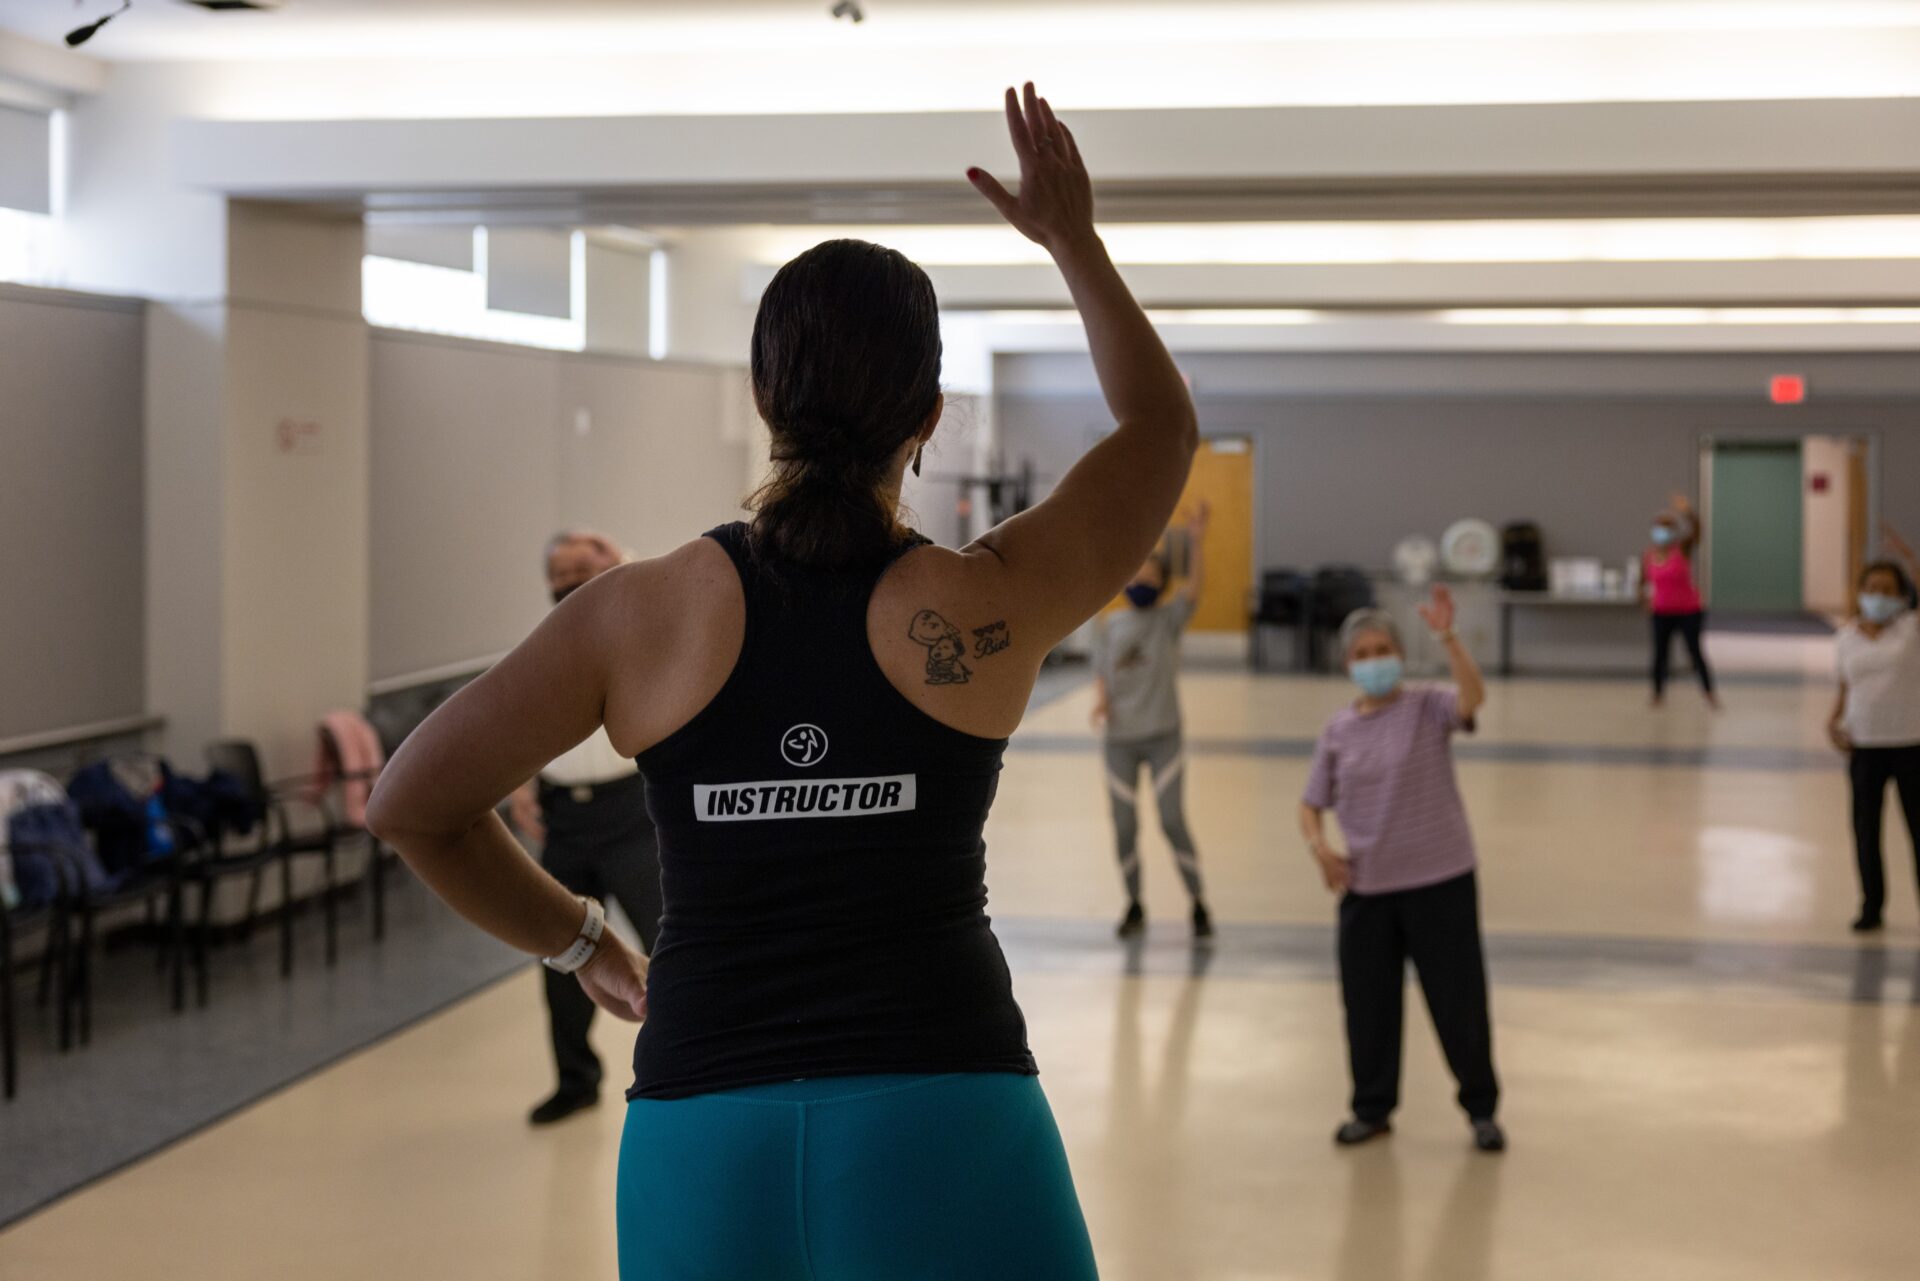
{"points": [[916, 459]]}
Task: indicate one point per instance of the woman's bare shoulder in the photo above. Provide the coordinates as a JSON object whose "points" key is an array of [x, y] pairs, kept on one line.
{"points": [[678, 622]]}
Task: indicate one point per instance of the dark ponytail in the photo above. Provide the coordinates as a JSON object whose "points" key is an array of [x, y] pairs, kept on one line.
{"points": [[846, 370]]}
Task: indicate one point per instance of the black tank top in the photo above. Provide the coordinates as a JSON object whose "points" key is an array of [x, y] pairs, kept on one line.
{"points": [[821, 864]]}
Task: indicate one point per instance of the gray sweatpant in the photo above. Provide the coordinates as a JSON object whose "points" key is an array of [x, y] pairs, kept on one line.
{"points": [[1166, 760]]}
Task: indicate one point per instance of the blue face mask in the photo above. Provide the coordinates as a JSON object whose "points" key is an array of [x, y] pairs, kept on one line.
{"points": [[1880, 610], [1376, 677], [1142, 595], [1662, 535]]}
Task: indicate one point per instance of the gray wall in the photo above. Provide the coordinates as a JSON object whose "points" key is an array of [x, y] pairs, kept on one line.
{"points": [[482, 451], [1356, 452], [465, 478], [71, 510]]}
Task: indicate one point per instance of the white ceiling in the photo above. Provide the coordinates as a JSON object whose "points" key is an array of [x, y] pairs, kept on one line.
{"points": [[170, 29]]}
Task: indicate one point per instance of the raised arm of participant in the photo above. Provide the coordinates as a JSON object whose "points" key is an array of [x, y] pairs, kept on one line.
{"points": [[435, 801], [1196, 553], [1898, 547], [1470, 687], [1689, 522], [1067, 556]]}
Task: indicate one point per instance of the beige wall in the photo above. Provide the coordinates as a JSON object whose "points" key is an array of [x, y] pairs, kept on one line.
{"points": [[465, 490], [185, 509], [71, 595], [709, 317], [481, 452], [257, 515], [652, 469], [294, 614], [618, 299]]}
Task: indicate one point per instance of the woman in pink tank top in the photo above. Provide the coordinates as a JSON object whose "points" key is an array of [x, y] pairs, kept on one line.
{"points": [[1671, 597]]}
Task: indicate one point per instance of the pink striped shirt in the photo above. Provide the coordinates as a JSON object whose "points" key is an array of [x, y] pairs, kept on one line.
{"points": [[1387, 775]]}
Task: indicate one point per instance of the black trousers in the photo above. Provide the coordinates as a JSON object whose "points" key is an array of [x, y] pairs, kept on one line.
{"points": [[1689, 626], [1437, 927], [1871, 769], [605, 847]]}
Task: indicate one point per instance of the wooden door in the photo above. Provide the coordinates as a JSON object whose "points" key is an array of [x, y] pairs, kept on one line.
{"points": [[1223, 479]]}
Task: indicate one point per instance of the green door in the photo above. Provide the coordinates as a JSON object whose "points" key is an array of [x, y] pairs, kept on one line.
{"points": [[1756, 544]]}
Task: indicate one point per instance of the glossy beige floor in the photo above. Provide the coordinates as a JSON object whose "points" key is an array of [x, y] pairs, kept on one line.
{"points": [[1682, 1133]]}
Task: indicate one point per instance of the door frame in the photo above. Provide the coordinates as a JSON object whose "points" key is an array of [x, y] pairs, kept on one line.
{"points": [[1707, 439]]}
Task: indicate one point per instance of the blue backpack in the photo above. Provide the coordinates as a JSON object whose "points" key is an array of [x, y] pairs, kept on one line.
{"points": [[129, 827], [39, 837]]}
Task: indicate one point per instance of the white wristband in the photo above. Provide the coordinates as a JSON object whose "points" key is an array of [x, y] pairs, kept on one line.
{"points": [[585, 945]]}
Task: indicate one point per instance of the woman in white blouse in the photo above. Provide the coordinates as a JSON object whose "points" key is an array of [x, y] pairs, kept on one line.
{"points": [[1876, 719]]}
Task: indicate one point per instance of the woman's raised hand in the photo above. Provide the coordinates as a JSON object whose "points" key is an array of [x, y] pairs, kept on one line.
{"points": [[1438, 613], [1054, 207], [1896, 544]]}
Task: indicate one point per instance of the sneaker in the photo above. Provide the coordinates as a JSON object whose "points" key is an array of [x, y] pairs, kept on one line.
{"points": [[1867, 923], [1134, 922], [562, 1105], [1202, 922], [1356, 1132], [1488, 1136]]}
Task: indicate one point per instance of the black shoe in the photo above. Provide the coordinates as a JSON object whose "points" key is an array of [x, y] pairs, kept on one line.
{"points": [[562, 1105], [1356, 1131], [1867, 923], [1488, 1136], [1134, 922], [1202, 922]]}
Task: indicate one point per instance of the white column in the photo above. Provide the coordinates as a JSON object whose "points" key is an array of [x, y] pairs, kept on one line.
{"points": [[257, 492]]}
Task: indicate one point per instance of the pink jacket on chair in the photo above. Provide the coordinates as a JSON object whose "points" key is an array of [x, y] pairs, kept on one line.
{"points": [[349, 754]]}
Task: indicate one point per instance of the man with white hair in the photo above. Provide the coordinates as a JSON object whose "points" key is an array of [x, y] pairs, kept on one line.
{"points": [[588, 812]]}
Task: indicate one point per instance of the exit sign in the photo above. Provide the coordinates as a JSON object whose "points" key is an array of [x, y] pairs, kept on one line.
{"points": [[1787, 389]]}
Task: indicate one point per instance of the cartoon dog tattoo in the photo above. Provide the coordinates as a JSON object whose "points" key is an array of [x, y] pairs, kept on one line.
{"points": [[945, 648]]}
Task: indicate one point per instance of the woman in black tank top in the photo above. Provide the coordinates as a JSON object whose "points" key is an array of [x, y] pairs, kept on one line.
{"points": [[832, 1080], [821, 863]]}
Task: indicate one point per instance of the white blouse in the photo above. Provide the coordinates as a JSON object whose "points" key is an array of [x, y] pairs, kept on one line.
{"points": [[1882, 675]]}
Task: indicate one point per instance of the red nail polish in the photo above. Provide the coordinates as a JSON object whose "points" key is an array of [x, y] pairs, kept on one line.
{"points": [[973, 173]]}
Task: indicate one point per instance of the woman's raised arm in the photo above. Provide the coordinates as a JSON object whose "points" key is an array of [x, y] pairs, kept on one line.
{"points": [[1067, 556]]}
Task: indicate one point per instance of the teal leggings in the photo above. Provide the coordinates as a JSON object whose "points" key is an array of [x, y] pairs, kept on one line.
{"points": [[863, 1178]]}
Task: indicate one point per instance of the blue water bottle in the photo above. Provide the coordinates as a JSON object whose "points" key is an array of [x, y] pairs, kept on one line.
{"points": [[159, 831]]}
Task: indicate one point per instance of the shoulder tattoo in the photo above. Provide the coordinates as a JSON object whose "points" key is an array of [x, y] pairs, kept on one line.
{"points": [[946, 646], [991, 639]]}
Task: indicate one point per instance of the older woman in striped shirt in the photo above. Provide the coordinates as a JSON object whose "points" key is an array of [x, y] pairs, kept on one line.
{"points": [[1384, 766]]}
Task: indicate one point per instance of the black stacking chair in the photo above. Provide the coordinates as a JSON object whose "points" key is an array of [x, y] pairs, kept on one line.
{"points": [[54, 957], [152, 880], [380, 856], [1336, 591], [1282, 602], [273, 841]]}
